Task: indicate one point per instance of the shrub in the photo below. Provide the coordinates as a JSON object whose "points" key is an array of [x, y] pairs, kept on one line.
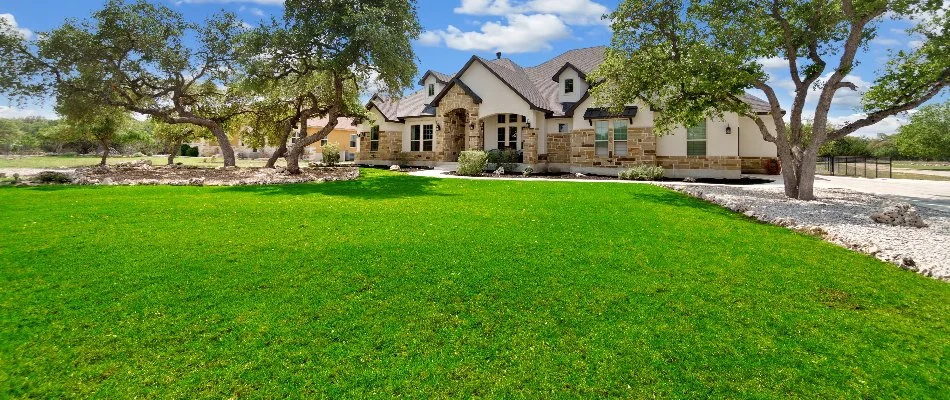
{"points": [[184, 150], [642, 173], [772, 167], [139, 154], [193, 152], [331, 154], [52, 177], [472, 163], [527, 172], [507, 159]]}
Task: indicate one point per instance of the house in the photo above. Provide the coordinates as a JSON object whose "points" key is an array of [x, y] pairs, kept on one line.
{"points": [[344, 135], [546, 114]]}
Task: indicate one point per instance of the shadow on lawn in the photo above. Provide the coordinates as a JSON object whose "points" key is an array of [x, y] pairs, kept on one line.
{"points": [[374, 186], [670, 197]]}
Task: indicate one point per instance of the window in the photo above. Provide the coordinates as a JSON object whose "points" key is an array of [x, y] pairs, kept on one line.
{"points": [[568, 86], [620, 137], [353, 141], [295, 137], [420, 138], [324, 142], [374, 138], [508, 127], [562, 128], [427, 138], [696, 140], [600, 138], [415, 138], [431, 89]]}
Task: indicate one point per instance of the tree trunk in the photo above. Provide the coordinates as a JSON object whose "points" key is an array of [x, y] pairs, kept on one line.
{"points": [[806, 175], [293, 157], [281, 149], [105, 153], [227, 152], [174, 152]]}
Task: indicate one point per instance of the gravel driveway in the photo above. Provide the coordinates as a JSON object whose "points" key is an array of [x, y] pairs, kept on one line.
{"points": [[844, 215]]}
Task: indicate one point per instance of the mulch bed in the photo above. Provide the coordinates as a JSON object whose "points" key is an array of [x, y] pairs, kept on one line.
{"points": [[145, 174]]}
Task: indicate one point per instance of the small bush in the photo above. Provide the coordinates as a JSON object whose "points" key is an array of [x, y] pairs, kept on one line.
{"points": [[472, 163], [331, 154], [184, 150], [52, 177], [641, 173], [139, 154], [193, 152], [772, 167], [527, 172], [507, 159]]}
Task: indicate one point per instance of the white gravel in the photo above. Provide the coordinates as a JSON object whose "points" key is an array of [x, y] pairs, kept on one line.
{"points": [[843, 218]]}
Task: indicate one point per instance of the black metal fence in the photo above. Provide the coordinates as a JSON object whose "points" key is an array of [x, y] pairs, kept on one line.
{"points": [[867, 167]]}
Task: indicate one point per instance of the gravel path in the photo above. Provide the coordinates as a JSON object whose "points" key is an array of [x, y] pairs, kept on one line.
{"points": [[842, 217], [32, 171]]}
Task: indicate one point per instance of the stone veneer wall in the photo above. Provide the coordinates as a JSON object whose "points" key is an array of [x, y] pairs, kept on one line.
{"points": [[455, 99], [559, 148], [390, 145], [530, 137], [641, 149], [755, 165], [729, 163]]}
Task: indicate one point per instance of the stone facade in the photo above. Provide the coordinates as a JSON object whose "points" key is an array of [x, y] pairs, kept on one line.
{"points": [[641, 149], [390, 145], [722, 163], [456, 113], [530, 150], [559, 148], [755, 165]]}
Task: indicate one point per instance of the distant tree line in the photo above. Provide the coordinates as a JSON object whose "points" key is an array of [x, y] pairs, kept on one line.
{"points": [[926, 137]]}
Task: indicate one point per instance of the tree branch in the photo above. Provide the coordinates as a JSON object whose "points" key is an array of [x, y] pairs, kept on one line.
{"points": [[878, 116]]}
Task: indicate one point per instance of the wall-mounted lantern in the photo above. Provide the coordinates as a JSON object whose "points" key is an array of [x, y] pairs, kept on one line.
{"points": [[471, 126], [728, 130], [438, 127]]}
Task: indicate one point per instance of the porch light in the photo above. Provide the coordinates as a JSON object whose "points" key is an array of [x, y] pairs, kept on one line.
{"points": [[728, 130], [438, 127], [527, 124], [471, 126]]}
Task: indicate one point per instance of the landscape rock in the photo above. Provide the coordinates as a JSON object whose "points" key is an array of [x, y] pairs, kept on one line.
{"points": [[689, 179], [394, 168], [500, 171], [899, 214]]}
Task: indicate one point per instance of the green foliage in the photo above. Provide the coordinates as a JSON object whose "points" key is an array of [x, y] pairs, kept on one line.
{"points": [[472, 162], [10, 135], [528, 171], [331, 154], [52, 177], [193, 151], [846, 146], [507, 159], [927, 137], [642, 173], [447, 288]]}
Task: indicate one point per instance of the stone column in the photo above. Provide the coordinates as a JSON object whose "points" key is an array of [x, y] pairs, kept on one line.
{"points": [[530, 145]]}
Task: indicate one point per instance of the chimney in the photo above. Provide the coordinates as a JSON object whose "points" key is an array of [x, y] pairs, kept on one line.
{"points": [[498, 55]]}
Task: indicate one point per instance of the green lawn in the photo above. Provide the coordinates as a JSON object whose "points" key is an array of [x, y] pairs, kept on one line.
{"points": [[403, 286], [83, 161], [922, 165]]}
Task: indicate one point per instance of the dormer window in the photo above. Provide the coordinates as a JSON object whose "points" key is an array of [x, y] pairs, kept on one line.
{"points": [[568, 86], [431, 89]]}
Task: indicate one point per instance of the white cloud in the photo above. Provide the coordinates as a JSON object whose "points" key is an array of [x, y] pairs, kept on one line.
{"points": [[429, 38], [573, 12], [915, 44], [773, 62], [253, 10], [885, 41], [522, 33], [11, 21], [262, 2], [844, 97], [15, 112]]}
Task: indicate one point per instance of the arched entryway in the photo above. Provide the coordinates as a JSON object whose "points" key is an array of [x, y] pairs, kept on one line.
{"points": [[455, 128]]}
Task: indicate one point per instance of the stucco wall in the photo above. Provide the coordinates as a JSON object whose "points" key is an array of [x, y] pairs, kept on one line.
{"points": [[751, 143], [580, 86], [497, 98]]}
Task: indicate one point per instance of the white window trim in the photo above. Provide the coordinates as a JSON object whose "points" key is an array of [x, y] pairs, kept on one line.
{"points": [[422, 137], [519, 123], [706, 140]]}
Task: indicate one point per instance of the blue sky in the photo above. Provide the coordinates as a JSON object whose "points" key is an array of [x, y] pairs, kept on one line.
{"points": [[528, 31]]}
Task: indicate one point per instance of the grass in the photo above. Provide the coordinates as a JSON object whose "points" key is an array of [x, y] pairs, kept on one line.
{"points": [[926, 165], [403, 286], [83, 161]]}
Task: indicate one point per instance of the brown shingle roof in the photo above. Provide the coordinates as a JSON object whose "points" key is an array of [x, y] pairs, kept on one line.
{"points": [[534, 84]]}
